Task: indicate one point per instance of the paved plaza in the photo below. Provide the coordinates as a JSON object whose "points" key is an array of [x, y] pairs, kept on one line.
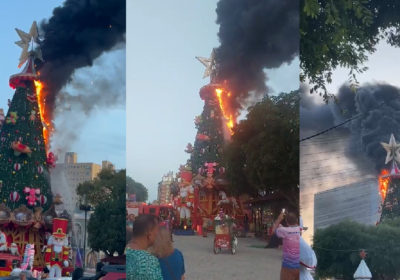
{"points": [[248, 263]]}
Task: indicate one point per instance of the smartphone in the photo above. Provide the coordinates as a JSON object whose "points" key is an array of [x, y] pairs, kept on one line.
{"points": [[283, 210]]}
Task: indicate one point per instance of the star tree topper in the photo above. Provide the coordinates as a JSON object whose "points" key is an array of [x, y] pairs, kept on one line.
{"points": [[29, 43], [392, 150], [210, 63]]}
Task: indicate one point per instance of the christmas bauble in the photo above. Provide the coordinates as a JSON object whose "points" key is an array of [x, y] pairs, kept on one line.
{"points": [[17, 166], [14, 196], [42, 199]]}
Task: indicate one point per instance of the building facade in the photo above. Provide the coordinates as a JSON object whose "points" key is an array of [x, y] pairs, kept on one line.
{"points": [[66, 176], [164, 189]]}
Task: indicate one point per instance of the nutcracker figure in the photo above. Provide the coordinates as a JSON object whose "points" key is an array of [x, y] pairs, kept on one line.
{"points": [[57, 252], [186, 195]]}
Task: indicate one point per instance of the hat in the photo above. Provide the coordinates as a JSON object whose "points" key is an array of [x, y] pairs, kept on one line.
{"points": [[60, 227]]}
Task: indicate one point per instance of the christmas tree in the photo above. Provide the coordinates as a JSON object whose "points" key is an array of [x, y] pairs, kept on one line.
{"points": [[24, 165], [390, 181], [213, 126]]}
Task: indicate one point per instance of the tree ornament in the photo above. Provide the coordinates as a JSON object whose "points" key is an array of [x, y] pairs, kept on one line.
{"points": [[42, 199], [12, 119], [40, 169], [17, 167], [32, 117], [20, 149], [14, 196], [51, 160], [31, 98], [222, 170], [212, 114], [203, 137], [201, 170], [31, 195], [189, 148]]}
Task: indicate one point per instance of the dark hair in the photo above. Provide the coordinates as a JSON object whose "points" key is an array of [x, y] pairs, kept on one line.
{"points": [[143, 223], [99, 266], [77, 274], [291, 218], [46, 270]]}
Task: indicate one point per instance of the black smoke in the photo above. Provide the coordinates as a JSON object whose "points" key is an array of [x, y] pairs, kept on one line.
{"points": [[368, 130], [254, 35], [78, 33]]}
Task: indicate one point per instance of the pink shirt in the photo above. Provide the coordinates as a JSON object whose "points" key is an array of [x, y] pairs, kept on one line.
{"points": [[291, 246]]}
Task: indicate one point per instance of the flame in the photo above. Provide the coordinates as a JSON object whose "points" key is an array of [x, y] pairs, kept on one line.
{"points": [[383, 184], [230, 118], [41, 104]]}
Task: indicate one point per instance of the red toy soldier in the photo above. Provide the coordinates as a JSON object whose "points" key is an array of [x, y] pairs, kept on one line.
{"points": [[57, 251]]}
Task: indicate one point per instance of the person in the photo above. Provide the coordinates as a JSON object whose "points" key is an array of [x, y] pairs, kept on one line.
{"points": [[22, 275], [171, 260], [308, 260], [99, 266], [143, 265], [77, 273], [130, 221], [45, 273], [246, 223], [290, 235], [206, 223]]}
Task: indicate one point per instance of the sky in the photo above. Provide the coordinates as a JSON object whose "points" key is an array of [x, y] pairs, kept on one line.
{"points": [[164, 79], [101, 133]]}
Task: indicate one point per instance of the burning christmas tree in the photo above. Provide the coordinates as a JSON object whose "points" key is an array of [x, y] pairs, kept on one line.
{"points": [[24, 161], [389, 181], [205, 194]]}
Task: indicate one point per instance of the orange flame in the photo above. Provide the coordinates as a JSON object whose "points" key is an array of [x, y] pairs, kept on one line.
{"points": [[229, 118], [383, 184], [41, 105]]}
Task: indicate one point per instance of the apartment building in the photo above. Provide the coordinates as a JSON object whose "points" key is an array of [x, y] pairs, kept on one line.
{"points": [[164, 189], [66, 176]]}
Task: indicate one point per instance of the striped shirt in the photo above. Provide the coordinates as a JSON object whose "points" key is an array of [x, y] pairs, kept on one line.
{"points": [[291, 247]]}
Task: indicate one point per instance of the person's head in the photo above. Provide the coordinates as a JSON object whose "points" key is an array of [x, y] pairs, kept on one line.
{"points": [[22, 275], [145, 229], [46, 270], [77, 274], [99, 266], [131, 217], [163, 246], [291, 219]]}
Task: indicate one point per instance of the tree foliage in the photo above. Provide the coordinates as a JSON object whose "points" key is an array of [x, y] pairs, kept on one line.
{"points": [[133, 187], [106, 226], [342, 33], [264, 150], [337, 248]]}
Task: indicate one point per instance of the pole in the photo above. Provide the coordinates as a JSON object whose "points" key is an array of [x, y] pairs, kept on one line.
{"points": [[84, 241]]}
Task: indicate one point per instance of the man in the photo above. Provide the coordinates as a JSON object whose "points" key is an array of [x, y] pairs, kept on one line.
{"points": [[206, 224], [291, 249], [22, 275]]}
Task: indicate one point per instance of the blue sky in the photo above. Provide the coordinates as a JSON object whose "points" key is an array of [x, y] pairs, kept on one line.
{"points": [[101, 134], [164, 78]]}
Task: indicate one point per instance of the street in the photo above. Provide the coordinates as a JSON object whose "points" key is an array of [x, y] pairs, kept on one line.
{"points": [[248, 263]]}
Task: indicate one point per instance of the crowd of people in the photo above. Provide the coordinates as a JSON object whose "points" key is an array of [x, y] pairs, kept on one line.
{"points": [[152, 256], [151, 253]]}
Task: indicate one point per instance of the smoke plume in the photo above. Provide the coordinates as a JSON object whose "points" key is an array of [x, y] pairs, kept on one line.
{"points": [[369, 130], [254, 35], [76, 35]]}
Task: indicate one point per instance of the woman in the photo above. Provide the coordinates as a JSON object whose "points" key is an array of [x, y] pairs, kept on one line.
{"points": [[45, 273], [77, 273], [171, 260], [141, 264]]}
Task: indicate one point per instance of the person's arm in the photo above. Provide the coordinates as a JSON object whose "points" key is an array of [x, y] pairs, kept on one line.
{"points": [[277, 223]]}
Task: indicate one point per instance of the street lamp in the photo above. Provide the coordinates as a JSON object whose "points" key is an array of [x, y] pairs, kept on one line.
{"points": [[86, 208]]}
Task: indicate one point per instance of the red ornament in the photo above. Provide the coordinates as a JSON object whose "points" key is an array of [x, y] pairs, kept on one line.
{"points": [[222, 170], [3, 139], [17, 166], [201, 170], [20, 139], [40, 169], [14, 196], [42, 199]]}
